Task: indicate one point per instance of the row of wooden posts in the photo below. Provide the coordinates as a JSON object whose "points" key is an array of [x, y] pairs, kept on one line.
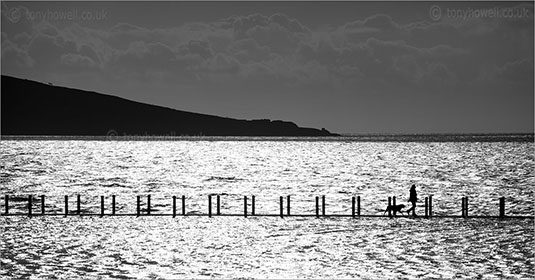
{"points": [[355, 206]]}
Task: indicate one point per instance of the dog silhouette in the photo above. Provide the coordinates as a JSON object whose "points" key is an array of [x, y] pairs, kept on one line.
{"points": [[394, 209]]}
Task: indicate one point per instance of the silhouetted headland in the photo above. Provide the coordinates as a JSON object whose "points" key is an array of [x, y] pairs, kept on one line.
{"points": [[34, 108]]}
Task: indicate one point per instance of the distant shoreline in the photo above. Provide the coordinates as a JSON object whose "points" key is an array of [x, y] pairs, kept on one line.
{"points": [[490, 137], [34, 108]]}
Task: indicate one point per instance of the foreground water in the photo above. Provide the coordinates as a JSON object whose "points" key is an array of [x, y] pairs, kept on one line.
{"points": [[232, 247], [268, 247]]}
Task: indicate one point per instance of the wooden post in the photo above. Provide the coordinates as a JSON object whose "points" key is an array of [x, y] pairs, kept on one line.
{"points": [[358, 205], [281, 208], [466, 206], [389, 207], [78, 204], [30, 205], [183, 205], [148, 204], [462, 207], [353, 207], [245, 206], [209, 206], [502, 207], [66, 205], [42, 204], [323, 205], [138, 205], [219, 205], [288, 205], [174, 206], [430, 206], [101, 205], [317, 207], [253, 206], [7, 203], [394, 205], [426, 209], [113, 204]]}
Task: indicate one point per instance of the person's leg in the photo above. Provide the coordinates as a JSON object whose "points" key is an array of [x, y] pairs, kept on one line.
{"points": [[413, 208]]}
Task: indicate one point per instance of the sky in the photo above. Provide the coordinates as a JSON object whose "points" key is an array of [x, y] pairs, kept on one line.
{"points": [[349, 67]]}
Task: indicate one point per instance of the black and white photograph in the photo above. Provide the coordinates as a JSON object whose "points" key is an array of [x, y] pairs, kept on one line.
{"points": [[267, 140]]}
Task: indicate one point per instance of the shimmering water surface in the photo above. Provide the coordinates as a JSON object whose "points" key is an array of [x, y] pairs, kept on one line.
{"points": [[268, 247]]}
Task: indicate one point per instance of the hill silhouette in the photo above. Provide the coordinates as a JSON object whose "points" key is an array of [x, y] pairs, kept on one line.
{"points": [[34, 108]]}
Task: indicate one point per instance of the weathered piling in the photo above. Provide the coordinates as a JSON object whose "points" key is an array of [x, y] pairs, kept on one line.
{"points": [[30, 205], [323, 205], [113, 204], [462, 207], [502, 207], [183, 205], [426, 208], [101, 205], [66, 205], [78, 210], [358, 205], [253, 205], [430, 206], [466, 206], [210, 206], [138, 205], [245, 206], [317, 207], [42, 204], [389, 207], [174, 206], [6, 203], [288, 205], [280, 206], [394, 205], [148, 204], [219, 205], [353, 207]]}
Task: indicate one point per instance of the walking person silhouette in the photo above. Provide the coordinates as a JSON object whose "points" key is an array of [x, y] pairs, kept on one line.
{"points": [[412, 199]]}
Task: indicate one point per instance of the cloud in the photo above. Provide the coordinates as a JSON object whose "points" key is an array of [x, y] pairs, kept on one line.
{"points": [[244, 47], [378, 22], [438, 75], [21, 39], [196, 47], [15, 60], [379, 26], [46, 50], [222, 63], [520, 71], [140, 57], [248, 50], [424, 34], [278, 32], [242, 24], [77, 62]]}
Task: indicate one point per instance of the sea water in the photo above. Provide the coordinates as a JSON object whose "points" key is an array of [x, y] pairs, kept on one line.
{"points": [[268, 247]]}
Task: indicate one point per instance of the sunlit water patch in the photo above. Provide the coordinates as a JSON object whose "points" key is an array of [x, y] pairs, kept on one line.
{"points": [[229, 247], [226, 247]]}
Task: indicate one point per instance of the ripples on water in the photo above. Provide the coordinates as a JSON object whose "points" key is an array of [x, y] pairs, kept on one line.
{"points": [[481, 171], [231, 247], [268, 247]]}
